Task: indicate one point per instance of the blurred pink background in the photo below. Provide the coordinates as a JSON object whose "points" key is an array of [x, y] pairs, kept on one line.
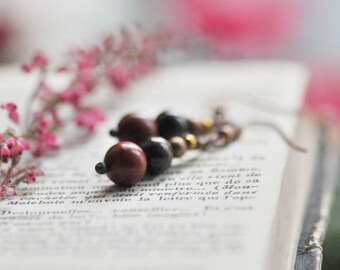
{"points": [[304, 30]]}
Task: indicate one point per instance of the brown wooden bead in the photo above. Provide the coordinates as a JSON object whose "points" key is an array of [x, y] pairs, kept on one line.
{"points": [[179, 146], [196, 127], [136, 128], [203, 126], [125, 163]]}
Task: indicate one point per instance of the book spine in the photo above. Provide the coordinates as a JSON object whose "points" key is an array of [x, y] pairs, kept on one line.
{"points": [[309, 253]]}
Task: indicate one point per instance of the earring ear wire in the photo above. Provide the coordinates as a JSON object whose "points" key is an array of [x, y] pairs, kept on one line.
{"points": [[280, 131]]}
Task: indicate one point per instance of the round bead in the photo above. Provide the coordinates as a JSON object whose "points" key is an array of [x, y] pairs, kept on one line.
{"points": [[229, 132], [208, 124], [179, 146], [191, 141], [170, 125], [159, 155], [196, 127], [125, 163], [136, 128], [201, 127]]}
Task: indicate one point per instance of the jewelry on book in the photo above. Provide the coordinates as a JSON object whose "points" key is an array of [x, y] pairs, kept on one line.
{"points": [[138, 128], [148, 146]]}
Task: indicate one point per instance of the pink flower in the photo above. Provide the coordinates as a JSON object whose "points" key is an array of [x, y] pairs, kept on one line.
{"points": [[9, 191], [45, 92], [74, 94], [23, 143], [12, 111], [40, 60], [119, 77], [13, 147], [28, 67], [16, 150], [31, 173], [239, 26], [5, 152], [45, 142], [10, 142], [90, 118]]}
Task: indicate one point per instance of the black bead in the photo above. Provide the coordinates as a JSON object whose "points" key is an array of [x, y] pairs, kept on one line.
{"points": [[101, 168], [170, 125], [159, 155]]}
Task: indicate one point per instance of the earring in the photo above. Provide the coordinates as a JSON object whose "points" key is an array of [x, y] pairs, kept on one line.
{"points": [[148, 146], [138, 128], [140, 151]]}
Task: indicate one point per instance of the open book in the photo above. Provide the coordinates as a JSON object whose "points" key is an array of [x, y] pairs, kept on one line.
{"points": [[240, 207]]}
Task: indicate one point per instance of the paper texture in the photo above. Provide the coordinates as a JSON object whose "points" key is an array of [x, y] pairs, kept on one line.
{"points": [[208, 211]]}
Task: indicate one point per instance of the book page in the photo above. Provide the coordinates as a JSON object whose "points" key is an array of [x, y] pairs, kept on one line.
{"points": [[212, 210]]}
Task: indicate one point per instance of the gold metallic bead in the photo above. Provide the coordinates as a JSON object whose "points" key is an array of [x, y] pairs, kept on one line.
{"points": [[179, 146], [208, 124], [191, 141]]}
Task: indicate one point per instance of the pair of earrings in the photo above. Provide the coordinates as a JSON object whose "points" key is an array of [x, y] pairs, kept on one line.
{"points": [[147, 146]]}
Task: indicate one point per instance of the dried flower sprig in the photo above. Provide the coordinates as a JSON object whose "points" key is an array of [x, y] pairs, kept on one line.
{"points": [[118, 59]]}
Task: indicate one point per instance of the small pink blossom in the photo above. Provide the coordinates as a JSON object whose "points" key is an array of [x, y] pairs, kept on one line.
{"points": [[74, 94], [90, 118], [16, 150], [5, 152], [85, 80], [43, 124], [119, 77], [47, 141], [45, 93], [31, 173], [9, 191], [10, 142], [23, 143], [28, 67], [12, 111], [40, 60]]}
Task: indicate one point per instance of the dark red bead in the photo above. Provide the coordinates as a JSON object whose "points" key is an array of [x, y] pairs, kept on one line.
{"points": [[136, 128], [125, 163]]}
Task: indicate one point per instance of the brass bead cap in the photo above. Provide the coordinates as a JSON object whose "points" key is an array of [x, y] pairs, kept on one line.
{"points": [[191, 141]]}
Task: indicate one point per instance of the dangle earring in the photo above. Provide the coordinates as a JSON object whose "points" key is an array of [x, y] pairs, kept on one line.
{"points": [[148, 146]]}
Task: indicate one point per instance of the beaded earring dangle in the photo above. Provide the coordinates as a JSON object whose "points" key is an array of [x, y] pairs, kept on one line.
{"points": [[148, 146]]}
